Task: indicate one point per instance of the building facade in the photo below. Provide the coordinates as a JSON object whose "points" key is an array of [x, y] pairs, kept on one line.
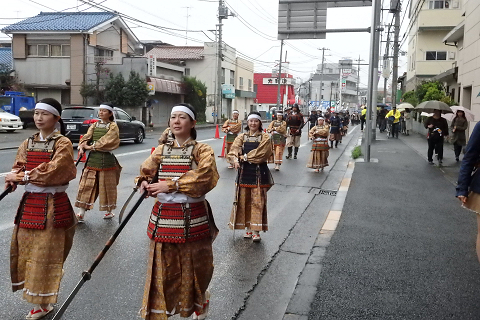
{"points": [[430, 22], [267, 91]]}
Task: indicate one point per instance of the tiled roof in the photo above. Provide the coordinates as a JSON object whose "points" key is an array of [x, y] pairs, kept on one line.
{"points": [[6, 63], [60, 21], [177, 53]]}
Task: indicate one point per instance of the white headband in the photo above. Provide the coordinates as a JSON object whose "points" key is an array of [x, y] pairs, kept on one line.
{"points": [[104, 106], [235, 111], [47, 107], [183, 109], [254, 116], [320, 118]]}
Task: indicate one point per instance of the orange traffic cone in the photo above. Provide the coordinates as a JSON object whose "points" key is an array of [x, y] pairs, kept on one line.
{"points": [[217, 133], [153, 149], [223, 148], [84, 157]]}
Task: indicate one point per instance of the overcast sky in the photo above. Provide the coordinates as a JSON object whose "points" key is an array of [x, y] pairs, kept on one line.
{"points": [[253, 32]]}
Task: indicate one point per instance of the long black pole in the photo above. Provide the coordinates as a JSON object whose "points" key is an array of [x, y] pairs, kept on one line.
{"points": [[5, 192], [87, 275]]}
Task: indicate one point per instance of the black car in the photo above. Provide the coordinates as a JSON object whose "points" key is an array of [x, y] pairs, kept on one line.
{"points": [[78, 119]]}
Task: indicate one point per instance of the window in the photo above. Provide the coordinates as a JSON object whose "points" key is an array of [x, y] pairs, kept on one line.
{"points": [[60, 50], [232, 77], [439, 4], [103, 52], [249, 84], [38, 50], [240, 83], [187, 72], [123, 116], [436, 55]]}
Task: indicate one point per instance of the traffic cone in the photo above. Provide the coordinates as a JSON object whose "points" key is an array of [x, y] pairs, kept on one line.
{"points": [[153, 149], [84, 157], [223, 148], [217, 133]]}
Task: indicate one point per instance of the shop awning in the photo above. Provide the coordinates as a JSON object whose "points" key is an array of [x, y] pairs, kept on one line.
{"points": [[168, 86]]}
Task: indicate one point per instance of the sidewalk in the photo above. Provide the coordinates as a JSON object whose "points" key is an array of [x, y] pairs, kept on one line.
{"points": [[404, 248]]}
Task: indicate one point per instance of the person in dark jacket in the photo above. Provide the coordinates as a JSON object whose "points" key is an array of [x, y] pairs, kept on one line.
{"points": [[468, 185], [437, 131], [459, 126], [312, 119]]}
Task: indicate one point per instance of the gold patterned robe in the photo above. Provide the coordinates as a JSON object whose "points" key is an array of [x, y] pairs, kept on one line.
{"points": [[234, 128], [178, 274], [251, 209], [319, 153], [102, 184], [36, 255], [278, 148]]}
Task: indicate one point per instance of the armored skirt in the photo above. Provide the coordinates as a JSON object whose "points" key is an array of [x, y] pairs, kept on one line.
{"points": [[101, 174], [181, 231], [319, 153], [253, 181], [44, 224], [233, 127]]}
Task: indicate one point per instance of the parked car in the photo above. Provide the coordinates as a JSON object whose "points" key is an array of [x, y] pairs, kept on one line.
{"points": [[9, 122], [78, 119]]}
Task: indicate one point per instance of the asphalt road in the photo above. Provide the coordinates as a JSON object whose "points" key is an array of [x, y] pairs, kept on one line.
{"points": [[251, 280]]}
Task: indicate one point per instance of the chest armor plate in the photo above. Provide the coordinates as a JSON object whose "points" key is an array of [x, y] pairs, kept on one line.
{"points": [[39, 152], [175, 161]]}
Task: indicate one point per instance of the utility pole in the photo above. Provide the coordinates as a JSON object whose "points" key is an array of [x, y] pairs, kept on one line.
{"points": [[279, 78], [395, 54], [372, 75], [358, 79], [222, 14], [321, 75], [186, 29]]}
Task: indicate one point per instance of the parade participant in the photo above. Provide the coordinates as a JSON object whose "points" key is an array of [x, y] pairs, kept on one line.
{"points": [[278, 130], [181, 227], [345, 123], [249, 154], [101, 174], [166, 136], [232, 128], [335, 127], [319, 153], [363, 117], [295, 123], [437, 131], [312, 119], [45, 221]]}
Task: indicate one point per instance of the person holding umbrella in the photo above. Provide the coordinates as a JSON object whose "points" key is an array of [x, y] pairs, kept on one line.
{"points": [[437, 131], [459, 126]]}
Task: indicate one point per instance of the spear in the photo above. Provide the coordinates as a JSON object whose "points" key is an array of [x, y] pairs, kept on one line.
{"points": [[5, 192], [87, 275]]}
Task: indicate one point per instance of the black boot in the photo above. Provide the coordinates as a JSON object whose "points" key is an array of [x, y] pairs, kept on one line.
{"points": [[336, 144], [289, 153], [331, 144], [296, 151]]}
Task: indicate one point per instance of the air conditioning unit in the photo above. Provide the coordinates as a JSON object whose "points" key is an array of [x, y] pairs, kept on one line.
{"points": [[455, 4], [451, 55]]}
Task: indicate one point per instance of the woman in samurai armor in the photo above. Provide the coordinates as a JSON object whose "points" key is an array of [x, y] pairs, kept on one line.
{"points": [[319, 153], [278, 130], [181, 227], [232, 128], [249, 155], [45, 221], [101, 174]]}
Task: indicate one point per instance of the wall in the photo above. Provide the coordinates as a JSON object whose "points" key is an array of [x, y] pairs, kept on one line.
{"points": [[77, 63]]}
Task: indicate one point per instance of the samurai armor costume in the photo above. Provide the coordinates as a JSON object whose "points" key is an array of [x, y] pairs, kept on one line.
{"points": [[181, 229], [278, 130], [102, 170], [44, 223], [233, 127], [319, 153], [335, 134], [294, 123], [253, 182]]}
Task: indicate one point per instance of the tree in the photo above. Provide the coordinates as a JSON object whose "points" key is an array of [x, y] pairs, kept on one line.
{"points": [[430, 90], [196, 95], [410, 97], [136, 91], [114, 89], [87, 91]]}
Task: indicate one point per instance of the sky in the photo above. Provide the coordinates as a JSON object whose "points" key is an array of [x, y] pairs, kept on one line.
{"points": [[252, 32]]}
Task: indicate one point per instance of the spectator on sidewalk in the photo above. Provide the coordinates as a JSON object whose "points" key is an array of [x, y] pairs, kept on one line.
{"points": [[468, 185], [381, 118], [458, 126], [363, 117], [437, 131], [408, 122], [393, 117]]}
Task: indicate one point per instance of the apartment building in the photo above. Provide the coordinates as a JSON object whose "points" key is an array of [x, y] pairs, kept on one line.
{"points": [[430, 22]]}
